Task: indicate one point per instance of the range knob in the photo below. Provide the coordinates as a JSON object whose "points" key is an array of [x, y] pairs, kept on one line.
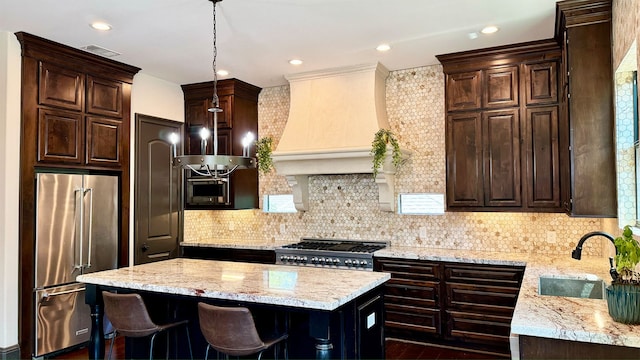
{"points": [[347, 262], [303, 259], [336, 261], [314, 260], [363, 263], [282, 258]]}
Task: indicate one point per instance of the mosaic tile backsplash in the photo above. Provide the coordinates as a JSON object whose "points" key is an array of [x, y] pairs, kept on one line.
{"points": [[346, 207]]}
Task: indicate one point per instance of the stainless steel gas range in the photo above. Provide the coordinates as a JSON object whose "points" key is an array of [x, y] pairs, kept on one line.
{"points": [[331, 253]]}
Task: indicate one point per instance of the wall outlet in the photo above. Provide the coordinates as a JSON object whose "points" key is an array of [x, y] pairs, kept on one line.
{"points": [[283, 228], [232, 226], [423, 232], [551, 237]]}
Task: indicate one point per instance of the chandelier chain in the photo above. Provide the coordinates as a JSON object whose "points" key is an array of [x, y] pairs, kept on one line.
{"points": [[215, 99]]}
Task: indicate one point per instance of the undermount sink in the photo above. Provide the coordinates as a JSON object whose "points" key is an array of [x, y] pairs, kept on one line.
{"points": [[571, 287]]}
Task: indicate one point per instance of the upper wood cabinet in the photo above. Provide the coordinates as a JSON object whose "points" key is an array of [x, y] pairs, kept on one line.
{"points": [[587, 108], [75, 116], [502, 128], [239, 103]]}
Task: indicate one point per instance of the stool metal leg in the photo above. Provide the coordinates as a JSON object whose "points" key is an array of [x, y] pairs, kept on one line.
{"points": [[113, 339], [186, 327]]}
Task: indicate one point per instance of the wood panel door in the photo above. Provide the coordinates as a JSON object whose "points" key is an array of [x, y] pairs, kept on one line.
{"points": [[500, 87], [104, 141], [541, 83], [542, 157], [60, 136], [464, 160], [157, 191], [501, 144], [464, 91]]}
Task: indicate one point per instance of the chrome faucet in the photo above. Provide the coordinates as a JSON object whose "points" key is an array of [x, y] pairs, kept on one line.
{"points": [[577, 252]]}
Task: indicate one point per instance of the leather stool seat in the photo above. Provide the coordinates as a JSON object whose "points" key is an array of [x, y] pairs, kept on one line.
{"points": [[232, 331], [130, 318]]}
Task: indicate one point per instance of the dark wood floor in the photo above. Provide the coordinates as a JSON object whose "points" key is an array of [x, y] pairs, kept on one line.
{"points": [[394, 350]]}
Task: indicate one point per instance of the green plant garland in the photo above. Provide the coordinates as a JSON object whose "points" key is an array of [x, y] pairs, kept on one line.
{"points": [[264, 147], [381, 139]]}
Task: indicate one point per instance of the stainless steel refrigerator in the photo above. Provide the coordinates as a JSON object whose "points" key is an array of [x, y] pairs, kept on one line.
{"points": [[76, 233]]}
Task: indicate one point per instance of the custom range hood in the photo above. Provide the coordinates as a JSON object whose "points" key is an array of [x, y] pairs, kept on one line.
{"points": [[333, 117]]}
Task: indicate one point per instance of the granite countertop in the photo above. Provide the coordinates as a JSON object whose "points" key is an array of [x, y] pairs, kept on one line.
{"points": [[249, 244], [575, 319], [556, 317], [291, 286]]}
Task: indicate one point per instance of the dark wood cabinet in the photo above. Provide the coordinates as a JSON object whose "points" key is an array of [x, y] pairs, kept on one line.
{"points": [[501, 144], [229, 254], [584, 28], [75, 117], [467, 306], [480, 304], [239, 103], [412, 299]]}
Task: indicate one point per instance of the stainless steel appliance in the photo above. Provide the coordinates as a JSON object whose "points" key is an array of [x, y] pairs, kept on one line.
{"points": [[345, 254], [204, 190], [76, 233]]}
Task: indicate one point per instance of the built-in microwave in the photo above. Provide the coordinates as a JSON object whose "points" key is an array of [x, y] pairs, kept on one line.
{"points": [[204, 190]]}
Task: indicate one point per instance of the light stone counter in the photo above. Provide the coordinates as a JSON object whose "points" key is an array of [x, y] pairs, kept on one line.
{"points": [[250, 244], [291, 286], [584, 320]]}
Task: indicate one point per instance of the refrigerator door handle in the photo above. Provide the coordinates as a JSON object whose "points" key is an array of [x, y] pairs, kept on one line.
{"points": [[45, 295], [79, 227], [90, 191]]}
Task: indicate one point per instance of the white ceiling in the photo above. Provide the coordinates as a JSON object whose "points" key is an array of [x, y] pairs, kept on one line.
{"points": [[172, 39]]}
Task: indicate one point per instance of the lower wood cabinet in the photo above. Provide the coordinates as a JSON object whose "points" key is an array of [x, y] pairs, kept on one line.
{"points": [[229, 254], [456, 304]]}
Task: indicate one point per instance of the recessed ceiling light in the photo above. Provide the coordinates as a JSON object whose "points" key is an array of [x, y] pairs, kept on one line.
{"points": [[102, 26], [489, 29], [222, 72], [383, 47], [472, 35], [295, 62]]}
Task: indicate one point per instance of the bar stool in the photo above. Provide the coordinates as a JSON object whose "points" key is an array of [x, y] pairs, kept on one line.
{"points": [[130, 318], [232, 331]]}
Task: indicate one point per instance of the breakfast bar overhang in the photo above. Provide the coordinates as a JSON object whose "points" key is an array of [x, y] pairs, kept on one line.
{"points": [[349, 300]]}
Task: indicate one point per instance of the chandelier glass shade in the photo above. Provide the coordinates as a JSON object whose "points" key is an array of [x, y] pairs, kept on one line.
{"points": [[213, 165]]}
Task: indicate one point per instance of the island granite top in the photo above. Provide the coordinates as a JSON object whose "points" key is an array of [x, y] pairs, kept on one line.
{"points": [[291, 286]]}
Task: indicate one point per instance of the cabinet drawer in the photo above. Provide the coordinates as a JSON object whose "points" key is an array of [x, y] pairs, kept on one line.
{"points": [[413, 270], [481, 298], [411, 318], [479, 328], [420, 293], [509, 276]]}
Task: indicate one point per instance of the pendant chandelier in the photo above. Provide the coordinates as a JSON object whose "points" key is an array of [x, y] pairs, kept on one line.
{"points": [[216, 166]]}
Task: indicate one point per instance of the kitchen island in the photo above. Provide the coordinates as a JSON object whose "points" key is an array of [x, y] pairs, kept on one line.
{"points": [[350, 301]]}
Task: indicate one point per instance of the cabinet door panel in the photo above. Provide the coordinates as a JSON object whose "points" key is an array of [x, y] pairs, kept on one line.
{"points": [[479, 328], [104, 97], [225, 120], [104, 141], [484, 275], [410, 292], [409, 270], [411, 318], [541, 83], [464, 160], [60, 136], [543, 157], [501, 87], [481, 299], [501, 140], [463, 91], [197, 114], [60, 87]]}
